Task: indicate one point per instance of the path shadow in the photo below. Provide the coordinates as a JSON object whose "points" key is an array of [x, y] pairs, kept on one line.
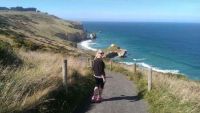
{"points": [[123, 97], [87, 105]]}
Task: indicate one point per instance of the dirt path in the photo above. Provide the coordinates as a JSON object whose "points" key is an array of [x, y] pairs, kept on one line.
{"points": [[120, 96]]}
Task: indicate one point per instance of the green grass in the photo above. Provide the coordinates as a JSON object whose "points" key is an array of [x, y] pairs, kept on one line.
{"points": [[21, 42], [7, 55], [3, 22], [160, 98]]}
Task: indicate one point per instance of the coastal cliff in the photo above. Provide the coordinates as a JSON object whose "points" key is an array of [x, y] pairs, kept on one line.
{"points": [[35, 25]]}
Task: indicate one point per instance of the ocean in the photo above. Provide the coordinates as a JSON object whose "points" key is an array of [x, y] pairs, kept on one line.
{"points": [[166, 47]]}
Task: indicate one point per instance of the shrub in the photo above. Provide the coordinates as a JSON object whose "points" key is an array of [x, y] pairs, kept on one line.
{"points": [[7, 55], [22, 42], [3, 22]]}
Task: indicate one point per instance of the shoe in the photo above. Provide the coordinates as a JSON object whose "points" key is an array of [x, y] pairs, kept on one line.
{"points": [[93, 99], [99, 99]]}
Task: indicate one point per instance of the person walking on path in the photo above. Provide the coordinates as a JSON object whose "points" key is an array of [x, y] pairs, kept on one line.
{"points": [[99, 75]]}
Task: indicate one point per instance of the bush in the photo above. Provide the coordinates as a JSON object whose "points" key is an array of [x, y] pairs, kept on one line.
{"points": [[7, 55], [21, 42], [3, 22]]}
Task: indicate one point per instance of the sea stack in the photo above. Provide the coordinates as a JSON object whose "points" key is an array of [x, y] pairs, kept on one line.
{"points": [[92, 35], [115, 51]]}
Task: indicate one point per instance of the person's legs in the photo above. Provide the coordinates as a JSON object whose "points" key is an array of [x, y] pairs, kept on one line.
{"points": [[95, 93], [100, 92], [100, 88], [96, 90]]}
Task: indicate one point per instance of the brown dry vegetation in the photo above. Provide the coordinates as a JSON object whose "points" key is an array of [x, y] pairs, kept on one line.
{"points": [[41, 73]]}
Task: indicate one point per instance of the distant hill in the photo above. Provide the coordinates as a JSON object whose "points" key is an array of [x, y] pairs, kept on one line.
{"points": [[19, 9], [39, 30]]}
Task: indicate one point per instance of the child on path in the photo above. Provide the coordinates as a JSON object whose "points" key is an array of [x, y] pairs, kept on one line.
{"points": [[99, 75]]}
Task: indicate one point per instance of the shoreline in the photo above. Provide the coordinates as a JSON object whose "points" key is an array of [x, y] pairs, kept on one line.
{"points": [[85, 45]]}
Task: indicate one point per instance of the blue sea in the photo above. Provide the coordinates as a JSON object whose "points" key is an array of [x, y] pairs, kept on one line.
{"points": [[167, 47]]}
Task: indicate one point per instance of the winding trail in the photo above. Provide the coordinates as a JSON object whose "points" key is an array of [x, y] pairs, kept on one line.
{"points": [[120, 96]]}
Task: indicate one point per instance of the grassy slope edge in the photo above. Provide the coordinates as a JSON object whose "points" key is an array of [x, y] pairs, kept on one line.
{"points": [[170, 93], [32, 46]]}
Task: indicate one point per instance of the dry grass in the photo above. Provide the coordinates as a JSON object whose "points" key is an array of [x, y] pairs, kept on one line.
{"points": [[25, 86], [185, 89], [41, 72], [171, 93]]}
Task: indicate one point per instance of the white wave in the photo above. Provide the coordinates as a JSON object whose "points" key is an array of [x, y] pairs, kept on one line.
{"points": [[86, 44], [158, 69], [166, 71], [153, 68], [127, 63], [144, 65], [140, 59]]}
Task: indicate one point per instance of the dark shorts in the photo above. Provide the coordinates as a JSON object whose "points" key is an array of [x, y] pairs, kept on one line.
{"points": [[99, 82]]}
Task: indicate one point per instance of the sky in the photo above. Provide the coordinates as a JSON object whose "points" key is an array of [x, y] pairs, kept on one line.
{"points": [[116, 10]]}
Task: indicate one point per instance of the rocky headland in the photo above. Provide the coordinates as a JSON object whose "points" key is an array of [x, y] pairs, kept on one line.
{"points": [[115, 51]]}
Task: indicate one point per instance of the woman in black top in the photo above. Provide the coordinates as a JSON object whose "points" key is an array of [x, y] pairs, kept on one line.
{"points": [[99, 74]]}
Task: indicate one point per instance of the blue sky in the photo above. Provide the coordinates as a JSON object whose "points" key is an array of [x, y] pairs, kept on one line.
{"points": [[116, 10]]}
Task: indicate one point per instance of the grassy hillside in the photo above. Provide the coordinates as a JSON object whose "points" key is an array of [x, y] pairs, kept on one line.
{"points": [[32, 49], [40, 31]]}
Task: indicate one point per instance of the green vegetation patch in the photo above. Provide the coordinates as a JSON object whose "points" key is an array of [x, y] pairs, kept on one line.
{"points": [[22, 42], [3, 22], [7, 55], [160, 99]]}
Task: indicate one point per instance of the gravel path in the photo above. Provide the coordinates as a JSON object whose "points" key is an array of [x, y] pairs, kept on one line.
{"points": [[120, 96]]}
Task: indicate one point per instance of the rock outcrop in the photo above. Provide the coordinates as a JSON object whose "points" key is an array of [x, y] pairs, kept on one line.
{"points": [[115, 51], [92, 35]]}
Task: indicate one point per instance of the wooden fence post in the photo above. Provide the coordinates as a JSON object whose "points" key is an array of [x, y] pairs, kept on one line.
{"points": [[134, 68], [88, 62], [150, 79], [111, 65], [91, 62], [64, 69]]}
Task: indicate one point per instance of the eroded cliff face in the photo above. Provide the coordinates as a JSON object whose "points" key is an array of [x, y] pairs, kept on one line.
{"points": [[74, 37]]}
